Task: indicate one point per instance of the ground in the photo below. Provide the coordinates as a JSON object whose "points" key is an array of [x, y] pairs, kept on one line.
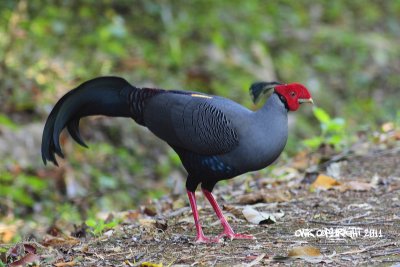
{"points": [[364, 202]]}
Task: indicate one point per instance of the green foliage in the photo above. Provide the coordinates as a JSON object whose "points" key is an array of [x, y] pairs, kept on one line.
{"points": [[333, 131], [21, 189], [5, 121], [219, 47], [64, 211], [98, 226]]}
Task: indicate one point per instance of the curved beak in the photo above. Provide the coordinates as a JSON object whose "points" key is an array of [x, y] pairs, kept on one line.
{"points": [[308, 100]]}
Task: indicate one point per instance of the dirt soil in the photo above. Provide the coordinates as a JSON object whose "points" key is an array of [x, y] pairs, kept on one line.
{"points": [[335, 227]]}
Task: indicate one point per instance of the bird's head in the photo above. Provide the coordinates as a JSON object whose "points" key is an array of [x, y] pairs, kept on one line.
{"points": [[292, 94]]}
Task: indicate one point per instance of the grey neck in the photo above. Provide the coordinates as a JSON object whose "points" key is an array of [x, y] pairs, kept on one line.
{"points": [[273, 102]]}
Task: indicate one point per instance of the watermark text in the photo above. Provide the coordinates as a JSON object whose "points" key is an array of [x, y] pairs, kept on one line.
{"points": [[340, 232]]}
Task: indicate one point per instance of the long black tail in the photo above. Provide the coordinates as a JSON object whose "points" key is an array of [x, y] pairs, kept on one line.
{"points": [[110, 96]]}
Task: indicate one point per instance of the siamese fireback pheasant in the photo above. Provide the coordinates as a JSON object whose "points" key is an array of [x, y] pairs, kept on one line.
{"points": [[215, 138]]}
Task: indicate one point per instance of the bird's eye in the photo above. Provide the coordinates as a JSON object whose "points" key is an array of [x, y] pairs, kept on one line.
{"points": [[292, 94]]}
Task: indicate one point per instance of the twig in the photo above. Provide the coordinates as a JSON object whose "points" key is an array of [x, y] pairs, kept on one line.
{"points": [[256, 260], [339, 223], [116, 254], [288, 241], [348, 220], [384, 152], [387, 252], [336, 158], [178, 212], [373, 247]]}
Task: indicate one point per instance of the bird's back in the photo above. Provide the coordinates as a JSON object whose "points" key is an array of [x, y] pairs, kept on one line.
{"points": [[198, 123]]}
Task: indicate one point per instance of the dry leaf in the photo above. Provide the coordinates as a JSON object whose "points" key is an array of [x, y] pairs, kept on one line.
{"points": [[256, 260], [7, 232], [64, 264], [147, 222], [130, 216], [178, 204], [150, 210], [233, 210], [307, 253], [109, 233], [396, 135], [20, 249], [251, 198], [30, 248], [324, 182], [387, 127], [301, 161], [84, 249], [128, 263], [278, 196], [51, 241], [54, 230], [150, 264], [161, 224], [28, 258], [355, 186], [266, 197], [258, 217]]}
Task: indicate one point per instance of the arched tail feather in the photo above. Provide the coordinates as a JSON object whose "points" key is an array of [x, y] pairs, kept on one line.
{"points": [[107, 96], [73, 129]]}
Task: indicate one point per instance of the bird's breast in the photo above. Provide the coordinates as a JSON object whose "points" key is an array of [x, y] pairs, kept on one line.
{"points": [[260, 143]]}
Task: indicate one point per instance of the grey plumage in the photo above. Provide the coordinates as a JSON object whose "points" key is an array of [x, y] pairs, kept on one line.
{"points": [[191, 122], [216, 138]]}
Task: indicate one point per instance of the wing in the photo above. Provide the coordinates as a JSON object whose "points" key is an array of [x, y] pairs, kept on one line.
{"points": [[193, 122]]}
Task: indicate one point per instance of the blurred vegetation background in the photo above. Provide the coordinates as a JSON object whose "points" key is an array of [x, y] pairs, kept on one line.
{"points": [[346, 52]]}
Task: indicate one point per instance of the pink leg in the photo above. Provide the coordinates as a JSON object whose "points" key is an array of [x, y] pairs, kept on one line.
{"points": [[227, 228], [200, 238]]}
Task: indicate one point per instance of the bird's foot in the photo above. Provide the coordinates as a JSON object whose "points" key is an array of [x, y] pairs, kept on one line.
{"points": [[204, 239], [232, 235]]}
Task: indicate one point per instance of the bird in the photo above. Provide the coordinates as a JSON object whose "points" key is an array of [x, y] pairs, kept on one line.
{"points": [[215, 138]]}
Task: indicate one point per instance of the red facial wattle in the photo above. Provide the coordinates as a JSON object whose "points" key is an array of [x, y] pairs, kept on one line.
{"points": [[294, 94]]}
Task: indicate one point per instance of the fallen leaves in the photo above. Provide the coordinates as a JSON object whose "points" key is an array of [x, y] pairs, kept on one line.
{"points": [[258, 217], [256, 260], [7, 232], [28, 258], [325, 182], [389, 135], [265, 196], [22, 254], [65, 264], [308, 253], [235, 211], [60, 241], [251, 198], [355, 186], [150, 264]]}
